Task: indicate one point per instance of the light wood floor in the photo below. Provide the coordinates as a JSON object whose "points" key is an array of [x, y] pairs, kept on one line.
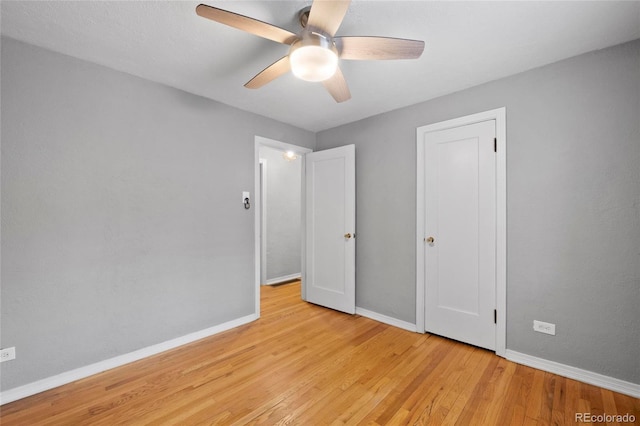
{"points": [[302, 364]]}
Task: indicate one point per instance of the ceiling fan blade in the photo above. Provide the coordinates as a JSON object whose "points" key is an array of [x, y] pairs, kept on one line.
{"points": [[337, 87], [247, 24], [327, 15], [370, 48], [270, 73]]}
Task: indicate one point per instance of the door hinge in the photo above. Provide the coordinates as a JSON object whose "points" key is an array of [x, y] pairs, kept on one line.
{"points": [[495, 316], [495, 144]]}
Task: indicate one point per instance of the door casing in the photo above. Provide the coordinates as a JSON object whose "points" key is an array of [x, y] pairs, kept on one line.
{"points": [[499, 115], [262, 210]]}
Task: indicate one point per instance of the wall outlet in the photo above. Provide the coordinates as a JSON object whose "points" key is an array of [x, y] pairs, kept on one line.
{"points": [[544, 327], [7, 354]]}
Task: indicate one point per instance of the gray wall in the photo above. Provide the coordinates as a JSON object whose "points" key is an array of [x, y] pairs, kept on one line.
{"points": [[284, 179], [573, 206], [122, 225]]}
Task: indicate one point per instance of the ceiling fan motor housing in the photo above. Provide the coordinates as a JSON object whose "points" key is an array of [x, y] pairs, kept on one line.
{"points": [[303, 16]]}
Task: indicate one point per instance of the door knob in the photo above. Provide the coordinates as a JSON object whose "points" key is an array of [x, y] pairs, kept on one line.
{"points": [[429, 240], [347, 235]]}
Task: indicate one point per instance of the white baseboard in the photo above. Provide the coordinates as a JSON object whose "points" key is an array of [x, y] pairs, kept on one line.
{"points": [[33, 388], [385, 319], [579, 374], [279, 280]]}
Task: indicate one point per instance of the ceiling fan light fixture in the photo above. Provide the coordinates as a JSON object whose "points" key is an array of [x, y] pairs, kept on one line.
{"points": [[313, 58], [314, 53]]}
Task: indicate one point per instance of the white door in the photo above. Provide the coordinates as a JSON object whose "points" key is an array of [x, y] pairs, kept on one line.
{"points": [[460, 233], [330, 228]]}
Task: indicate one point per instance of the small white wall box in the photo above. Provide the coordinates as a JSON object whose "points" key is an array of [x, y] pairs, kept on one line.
{"points": [[544, 327]]}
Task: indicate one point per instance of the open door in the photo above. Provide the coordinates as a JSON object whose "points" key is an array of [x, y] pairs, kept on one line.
{"points": [[330, 228]]}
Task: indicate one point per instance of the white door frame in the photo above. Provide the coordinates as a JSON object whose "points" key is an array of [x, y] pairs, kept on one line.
{"points": [[257, 201], [263, 219], [499, 115]]}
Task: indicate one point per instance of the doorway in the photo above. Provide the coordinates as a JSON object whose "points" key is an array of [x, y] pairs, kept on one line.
{"points": [[281, 199], [461, 229], [327, 223], [285, 248]]}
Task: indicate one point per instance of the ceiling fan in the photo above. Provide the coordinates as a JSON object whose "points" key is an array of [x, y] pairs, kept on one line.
{"points": [[314, 52]]}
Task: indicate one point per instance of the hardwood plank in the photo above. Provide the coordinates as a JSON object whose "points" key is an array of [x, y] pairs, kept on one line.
{"points": [[546, 405], [469, 401], [534, 402], [440, 413], [592, 393], [501, 392], [509, 404], [422, 402], [572, 401], [559, 395], [472, 385], [303, 364]]}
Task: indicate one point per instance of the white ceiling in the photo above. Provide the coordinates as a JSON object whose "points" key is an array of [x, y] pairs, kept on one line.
{"points": [[467, 43]]}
